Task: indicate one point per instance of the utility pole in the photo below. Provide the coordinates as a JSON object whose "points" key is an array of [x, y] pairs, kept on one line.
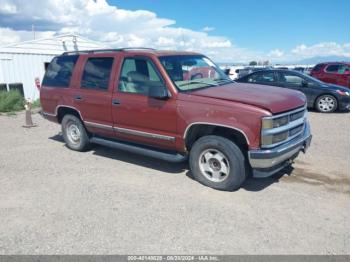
{"points": [[33, 30]]}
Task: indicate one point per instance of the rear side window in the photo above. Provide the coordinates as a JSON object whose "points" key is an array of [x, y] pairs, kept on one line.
{"points": [[97, 72], [332, 68], [59, 72]]}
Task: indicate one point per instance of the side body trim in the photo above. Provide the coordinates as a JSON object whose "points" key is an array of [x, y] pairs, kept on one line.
{"points": [[97, 125], [129, 131], [117, 129], [143, 134]]}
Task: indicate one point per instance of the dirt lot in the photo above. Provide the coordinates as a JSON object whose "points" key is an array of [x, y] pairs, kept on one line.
{"points": [[57, 201]]}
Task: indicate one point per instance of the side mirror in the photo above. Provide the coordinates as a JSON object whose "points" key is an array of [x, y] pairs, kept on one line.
{"points": [[304, 83], [158, 92], [227, 71]]}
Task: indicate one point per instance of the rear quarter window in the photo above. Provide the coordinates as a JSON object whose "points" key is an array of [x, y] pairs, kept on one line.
{"points": [[59, 72], [317, 67]]}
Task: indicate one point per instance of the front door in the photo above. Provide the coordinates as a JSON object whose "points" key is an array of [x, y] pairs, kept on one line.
{"points": [[137, 116], [297, 82], [344, 75]]}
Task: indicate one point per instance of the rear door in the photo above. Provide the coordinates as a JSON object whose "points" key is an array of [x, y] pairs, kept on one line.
{"points": [[138, 117], [93, 93], [331, 74]]}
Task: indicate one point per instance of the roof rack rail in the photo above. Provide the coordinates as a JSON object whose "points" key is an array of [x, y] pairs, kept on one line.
{"points": [[95, 51]]}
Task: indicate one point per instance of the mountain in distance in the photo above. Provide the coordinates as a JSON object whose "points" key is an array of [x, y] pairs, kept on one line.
{"points": [[321, 59]]}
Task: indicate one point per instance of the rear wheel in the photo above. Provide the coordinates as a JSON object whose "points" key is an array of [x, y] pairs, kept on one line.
{"points": [[74, 133], [218, 163], [326, 104]]}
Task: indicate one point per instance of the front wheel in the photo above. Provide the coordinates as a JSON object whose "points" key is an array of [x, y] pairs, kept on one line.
{"points": [[74, 133], [326, 104], [218, 163]]}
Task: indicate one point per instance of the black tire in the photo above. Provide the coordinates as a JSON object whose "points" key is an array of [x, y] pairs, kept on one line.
{"points": [[234, 160], [324, 108], [73, 122]]}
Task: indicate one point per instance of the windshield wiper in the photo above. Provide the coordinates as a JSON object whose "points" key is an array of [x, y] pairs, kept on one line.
{"points": [[223, 81], [196, 82]]}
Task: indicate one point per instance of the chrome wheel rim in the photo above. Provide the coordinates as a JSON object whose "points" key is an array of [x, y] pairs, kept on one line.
{"points": [[73, 133], [214, 165], [326, 104]]}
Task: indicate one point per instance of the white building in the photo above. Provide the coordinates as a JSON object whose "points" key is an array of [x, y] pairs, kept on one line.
{"points": [[25, 61]]}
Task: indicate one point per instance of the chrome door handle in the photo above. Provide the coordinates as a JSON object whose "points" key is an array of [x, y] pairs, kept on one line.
{"points": [[78, 98], [115, 102]]}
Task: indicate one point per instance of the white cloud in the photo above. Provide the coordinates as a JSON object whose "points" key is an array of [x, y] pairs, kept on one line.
{"points": [[98, 20], [8, 36], [8, 8], [208, 29], [321, 49], [276, 53]]}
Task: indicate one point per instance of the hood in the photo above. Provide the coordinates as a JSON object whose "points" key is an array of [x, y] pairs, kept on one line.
{"points": [[334, 87], [273, 99]]}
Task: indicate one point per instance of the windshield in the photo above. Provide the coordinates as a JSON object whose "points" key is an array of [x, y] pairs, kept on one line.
{"points": [[191, 72]]}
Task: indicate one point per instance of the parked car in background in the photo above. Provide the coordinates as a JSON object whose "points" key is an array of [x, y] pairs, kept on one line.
{"points": [[248, 70], [233, 71], [334, 72], [308, 70], [299, 69], [324, 97], [174, 105]]}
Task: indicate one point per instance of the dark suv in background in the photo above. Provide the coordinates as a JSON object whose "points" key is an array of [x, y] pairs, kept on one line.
{"points": [[322, 96], [335, 72]]}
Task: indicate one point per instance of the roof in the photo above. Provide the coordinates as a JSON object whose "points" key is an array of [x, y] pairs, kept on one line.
{"points": [[137, 50], [336, 63], [52, 46]]}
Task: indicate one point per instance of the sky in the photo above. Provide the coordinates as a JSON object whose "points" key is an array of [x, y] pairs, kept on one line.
{"points": [[227, 31]]}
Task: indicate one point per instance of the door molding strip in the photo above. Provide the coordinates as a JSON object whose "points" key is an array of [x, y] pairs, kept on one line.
{"points": [[129, 131]]}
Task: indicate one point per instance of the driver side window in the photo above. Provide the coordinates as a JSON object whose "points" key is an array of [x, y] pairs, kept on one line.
{"points": [[137, 76], [292, 80], [343, 69]]}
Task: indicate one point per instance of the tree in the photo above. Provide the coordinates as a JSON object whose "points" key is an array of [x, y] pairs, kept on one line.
{"points": [[253, 63]]}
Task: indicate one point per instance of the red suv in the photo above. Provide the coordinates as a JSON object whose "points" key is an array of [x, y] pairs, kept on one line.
{"points": [[335, 73], [172, 105]]}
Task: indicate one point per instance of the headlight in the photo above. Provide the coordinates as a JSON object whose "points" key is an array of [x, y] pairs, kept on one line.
{"points": [[273, 123], [273, 139], [343, 93]]}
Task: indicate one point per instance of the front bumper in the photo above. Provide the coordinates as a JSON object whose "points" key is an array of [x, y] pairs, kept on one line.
{"points": [[266, 162], [344, 103]]}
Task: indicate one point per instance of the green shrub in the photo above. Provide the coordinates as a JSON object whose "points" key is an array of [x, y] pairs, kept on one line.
{"points": [[11, 101], [36, 103]]}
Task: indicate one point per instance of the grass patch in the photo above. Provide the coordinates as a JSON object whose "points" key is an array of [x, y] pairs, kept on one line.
{"points": [[11, 101], [36, 103]]}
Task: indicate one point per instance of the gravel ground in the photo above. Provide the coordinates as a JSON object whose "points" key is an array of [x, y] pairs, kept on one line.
{"points": [[57, 201]]}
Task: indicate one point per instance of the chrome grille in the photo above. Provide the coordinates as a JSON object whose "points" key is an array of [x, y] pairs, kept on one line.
{"points": [[293, 126]]}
